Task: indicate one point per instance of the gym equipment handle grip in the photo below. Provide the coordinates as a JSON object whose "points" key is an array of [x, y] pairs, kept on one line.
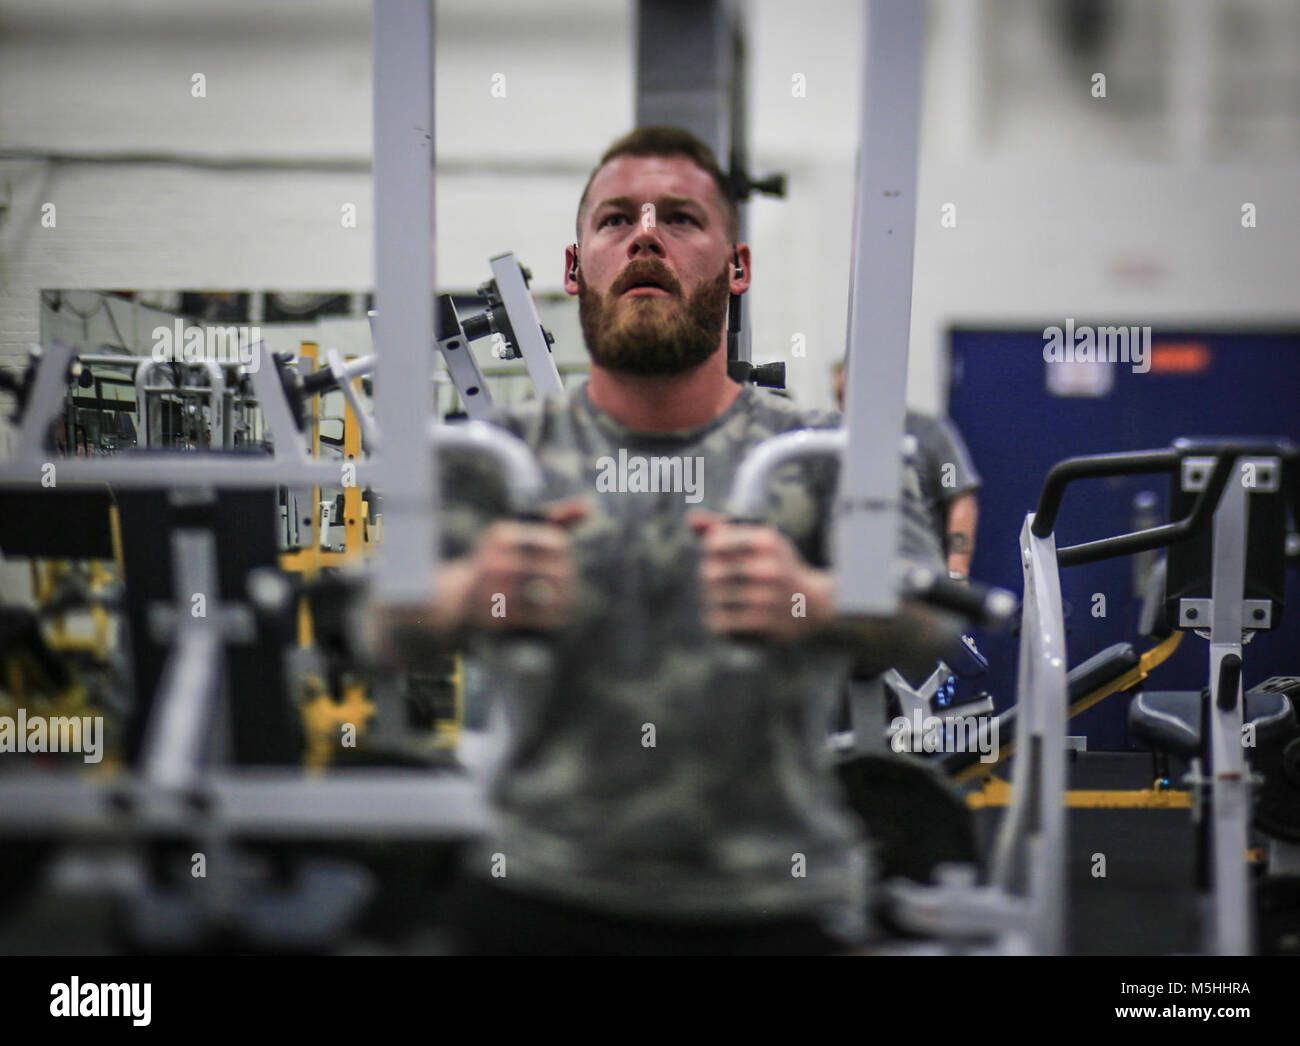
{"points": [[1229, 682], [319, 381], [1126, 464], [981, 604]]}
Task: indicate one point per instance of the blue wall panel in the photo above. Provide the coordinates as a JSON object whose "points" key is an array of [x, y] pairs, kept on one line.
{"points": [[1016, 429]]}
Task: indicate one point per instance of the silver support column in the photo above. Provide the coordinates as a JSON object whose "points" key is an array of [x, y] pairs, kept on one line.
{"points": [[147, 408], [690, 73], [185, 706], [1231, 933], [44, 402], [880, 309], [345, 372], [218, 404], [526, 325], [1030, 853], [404, 290], [462, 368], [683, 69], [739, 160]]}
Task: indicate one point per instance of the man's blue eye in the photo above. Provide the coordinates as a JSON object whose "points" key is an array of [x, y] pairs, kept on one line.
{"points": [[611, 217]]}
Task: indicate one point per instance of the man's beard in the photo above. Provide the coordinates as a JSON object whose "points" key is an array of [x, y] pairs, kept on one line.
{"points": [[652, 335]]}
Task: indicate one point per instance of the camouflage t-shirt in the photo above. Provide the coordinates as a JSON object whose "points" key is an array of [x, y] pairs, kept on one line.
{"points": [[650, 776]]}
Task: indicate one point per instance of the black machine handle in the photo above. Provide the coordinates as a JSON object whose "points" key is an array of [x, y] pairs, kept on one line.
{"points": [[983, 605], [1291, 477], [20, 384], [321, 380], [1129, 464], [299, 387], [769, 375], [1229, 681], [1065, 472]]}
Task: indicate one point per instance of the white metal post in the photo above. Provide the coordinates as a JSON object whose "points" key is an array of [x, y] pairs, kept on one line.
{"points": [[880, 309], [404, 287], [1230, 796]]}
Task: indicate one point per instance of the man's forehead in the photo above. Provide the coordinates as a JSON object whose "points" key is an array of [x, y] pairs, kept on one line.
{"points": [[649, 177]]}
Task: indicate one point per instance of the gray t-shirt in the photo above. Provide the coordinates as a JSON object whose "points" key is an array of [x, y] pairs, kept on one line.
{"points": [[649, 776], [941, 465]]}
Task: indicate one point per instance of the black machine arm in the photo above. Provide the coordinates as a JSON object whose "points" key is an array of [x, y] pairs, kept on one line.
{"points": [[1130, 464], [983, 605]]}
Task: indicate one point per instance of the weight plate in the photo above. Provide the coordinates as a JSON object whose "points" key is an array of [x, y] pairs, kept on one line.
{"points": [[1277, 800], [915, 819], [1277, 903]]}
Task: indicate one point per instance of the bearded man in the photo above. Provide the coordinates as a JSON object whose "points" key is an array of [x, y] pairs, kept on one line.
{"points": [[652, 799]]}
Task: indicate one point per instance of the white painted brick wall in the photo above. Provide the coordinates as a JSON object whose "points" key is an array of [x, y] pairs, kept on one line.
{"points": [[1039, 236]]}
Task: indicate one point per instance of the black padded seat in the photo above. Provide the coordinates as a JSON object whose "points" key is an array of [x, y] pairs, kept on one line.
{"points": [[1170, 720], [1100, 669]]}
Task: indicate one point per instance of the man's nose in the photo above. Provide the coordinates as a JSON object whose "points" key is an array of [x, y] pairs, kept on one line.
{"points": [[646, 241]]}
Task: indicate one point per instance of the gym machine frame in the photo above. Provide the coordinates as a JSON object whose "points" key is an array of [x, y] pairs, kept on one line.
{"points": [[173, 792]]}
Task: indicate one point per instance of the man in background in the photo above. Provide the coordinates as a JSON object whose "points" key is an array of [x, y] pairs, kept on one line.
{"points": [[947, 479]]}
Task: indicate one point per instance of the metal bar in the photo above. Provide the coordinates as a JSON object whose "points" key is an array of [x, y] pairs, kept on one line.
{"points": [[683, 69], [1029, 851], [691, 73], [1009, 845], [1063, 473], [353, 433], [526, 325], [216, 402], [404, 291], [1049, 696], [147, 415], [749, 489], [1232, 932], [105, 359], [289, 446], [523, 476], [880, 309], [374, 803], [739, 159], [138, 469], [343, 372], [867, 704], [365, 422], [462, 368], [956, 907], [180, 390], [188, 692], [371, 803], [307, 355], [43, 404]]}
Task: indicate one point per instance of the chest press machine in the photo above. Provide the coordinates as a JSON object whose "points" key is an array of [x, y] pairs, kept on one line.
{"points": [[1226, 583]]}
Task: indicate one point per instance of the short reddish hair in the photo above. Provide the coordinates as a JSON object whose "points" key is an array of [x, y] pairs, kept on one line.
{"points": [[671, 141]]}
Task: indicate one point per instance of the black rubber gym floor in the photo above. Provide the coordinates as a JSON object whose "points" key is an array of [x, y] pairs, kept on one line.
{"points": [[1146, 902]]}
